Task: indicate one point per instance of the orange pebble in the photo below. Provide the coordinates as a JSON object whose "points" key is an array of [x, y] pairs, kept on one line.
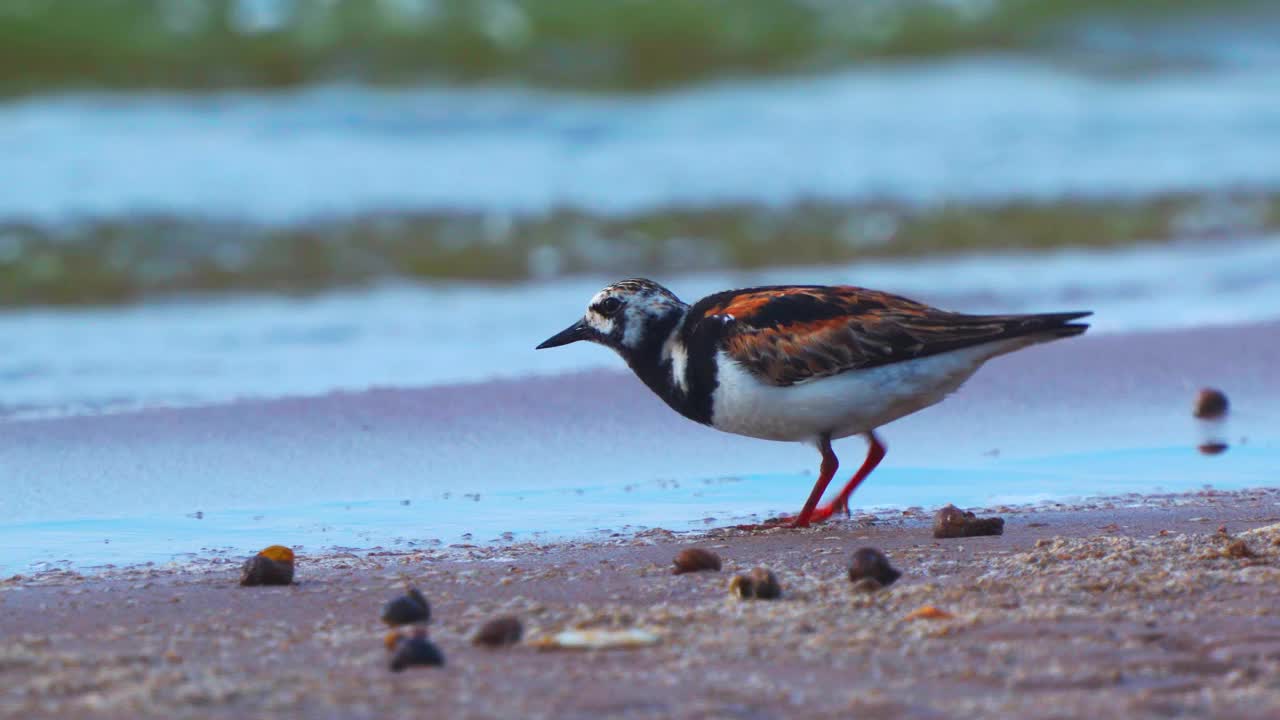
{"points": [[279, 553], [928, 612], [392, 639]]}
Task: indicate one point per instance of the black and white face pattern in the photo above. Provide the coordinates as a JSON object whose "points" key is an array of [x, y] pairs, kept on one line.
{"points": [[623, 314]]}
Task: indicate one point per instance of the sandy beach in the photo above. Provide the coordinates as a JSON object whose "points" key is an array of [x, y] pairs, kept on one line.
{"points": [[1125, 607]]}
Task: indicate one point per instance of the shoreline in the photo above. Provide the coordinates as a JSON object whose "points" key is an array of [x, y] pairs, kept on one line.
{"points": [[914, 517], [575, 454], [1131, 606]]}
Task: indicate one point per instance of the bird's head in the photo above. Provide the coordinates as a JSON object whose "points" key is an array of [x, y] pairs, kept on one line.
{"points": [[623, 316]]}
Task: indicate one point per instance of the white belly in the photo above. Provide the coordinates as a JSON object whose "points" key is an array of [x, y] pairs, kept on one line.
{"points": [[846, 404]]}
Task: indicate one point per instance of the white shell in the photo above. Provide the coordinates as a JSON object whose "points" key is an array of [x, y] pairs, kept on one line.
{"points": [[599, 639]]}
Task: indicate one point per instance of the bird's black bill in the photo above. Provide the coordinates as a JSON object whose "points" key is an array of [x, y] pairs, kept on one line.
{"points": [[573, 333]]}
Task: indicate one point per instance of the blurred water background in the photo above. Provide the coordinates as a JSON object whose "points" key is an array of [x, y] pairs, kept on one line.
{"points": [[202, 202], [206, 201]]}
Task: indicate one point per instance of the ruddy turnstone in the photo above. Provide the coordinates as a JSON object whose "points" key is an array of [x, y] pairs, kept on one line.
{"points": [[805, 363]]}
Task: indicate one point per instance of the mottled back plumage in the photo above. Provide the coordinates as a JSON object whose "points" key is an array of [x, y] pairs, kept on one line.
{"points": [[789, 334]]}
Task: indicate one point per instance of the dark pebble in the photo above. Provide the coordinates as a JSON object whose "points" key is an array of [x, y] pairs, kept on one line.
{"points": [[1213, 448], [695, 560], [1211, 404], [416, 650], [759, 584], [272, 566], [868, 562], [979, 527], [499, 632], [408, 608], [952, 522]]}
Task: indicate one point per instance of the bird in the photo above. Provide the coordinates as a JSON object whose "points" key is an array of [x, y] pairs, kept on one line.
{"points": [[802, 363]]}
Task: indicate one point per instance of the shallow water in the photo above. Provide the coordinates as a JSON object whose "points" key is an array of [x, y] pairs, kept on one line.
{"points": [[542, 514]]}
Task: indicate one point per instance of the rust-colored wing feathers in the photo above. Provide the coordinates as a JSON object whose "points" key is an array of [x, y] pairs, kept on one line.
{"points": [[786, 335]]}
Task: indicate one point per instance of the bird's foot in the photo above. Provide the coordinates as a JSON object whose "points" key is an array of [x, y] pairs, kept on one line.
{"points": [[822, 513], [782, 521], [839, 506], [770, 524], [819, 514]]}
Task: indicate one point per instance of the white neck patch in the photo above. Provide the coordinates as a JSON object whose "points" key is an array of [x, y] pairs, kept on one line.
{"points": [[678, 354]]}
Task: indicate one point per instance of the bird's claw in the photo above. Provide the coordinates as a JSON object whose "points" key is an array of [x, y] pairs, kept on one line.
{"points": [[787, 521]]}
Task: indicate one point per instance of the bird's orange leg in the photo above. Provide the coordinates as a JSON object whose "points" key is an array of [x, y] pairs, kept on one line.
{"points": [[829, 466], [875, 453], [810, 511]]}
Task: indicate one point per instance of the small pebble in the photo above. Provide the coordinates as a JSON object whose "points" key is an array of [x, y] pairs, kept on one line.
{"points": [[928, 612], [952, 522], [408, 608], [695, 560], [416, 649], [499, 632], [1211, 404], [392, 639], [870, 564], [759, 584], [272, 566], [1240, 549], [1212, 448]]}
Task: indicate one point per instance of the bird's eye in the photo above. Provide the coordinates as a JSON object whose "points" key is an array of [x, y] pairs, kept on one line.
{"points": [[609, 306]]}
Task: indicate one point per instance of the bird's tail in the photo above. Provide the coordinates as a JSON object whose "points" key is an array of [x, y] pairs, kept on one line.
{"points": [[1019, 331]]}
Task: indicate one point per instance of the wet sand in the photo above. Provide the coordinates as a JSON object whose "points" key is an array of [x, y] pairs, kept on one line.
{"points": [[560, 455], [1128, 607]]}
